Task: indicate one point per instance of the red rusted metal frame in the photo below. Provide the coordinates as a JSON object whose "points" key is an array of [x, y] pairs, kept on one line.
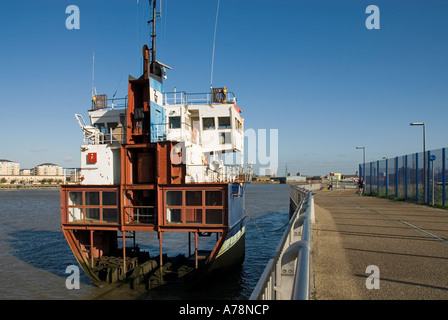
{"points": [[160, 255], [196, 264], [130, 107], [195, 228], [96, 227], [184, 226], [91, 248], [139, 227], [217, 246], [82, 188], [64, 210], [124, 252]]}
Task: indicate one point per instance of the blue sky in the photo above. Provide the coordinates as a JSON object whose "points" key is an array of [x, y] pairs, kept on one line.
{"points": [[308, 68]]}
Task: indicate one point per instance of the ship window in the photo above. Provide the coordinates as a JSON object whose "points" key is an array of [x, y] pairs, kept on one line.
{"points": [[194, 206], [213, 216], [101, 127], [224, 137], [112, 125], [93, 213], [208, 123], [238, 125], [213, 198], [193, 216], [75, 198], [109, 198], [193, 198], [110, 215], [224, 122], [174, 122], [92, 198], [174, 198], [84, 205], [173, 215], [75, 214]]}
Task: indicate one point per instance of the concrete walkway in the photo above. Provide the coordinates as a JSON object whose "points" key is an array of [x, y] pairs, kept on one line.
{"points": [[406, 244]]}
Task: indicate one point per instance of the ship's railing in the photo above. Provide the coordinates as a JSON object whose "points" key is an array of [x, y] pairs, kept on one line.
{"points": [[72, 175], [234, 173], [165, 131], [117, 135], [140, 214], [184, 98], [217, 172], [287, 275], [114, 103]]}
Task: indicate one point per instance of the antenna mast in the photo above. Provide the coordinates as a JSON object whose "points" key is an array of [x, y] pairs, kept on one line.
{"points": [[213, 53], [153, 36], [93, 72]]}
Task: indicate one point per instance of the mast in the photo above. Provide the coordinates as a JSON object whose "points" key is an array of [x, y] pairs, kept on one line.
{"points": [[153, 36]]}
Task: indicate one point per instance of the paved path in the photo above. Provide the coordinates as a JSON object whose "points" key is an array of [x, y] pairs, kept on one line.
{"points": [[407, 242]]}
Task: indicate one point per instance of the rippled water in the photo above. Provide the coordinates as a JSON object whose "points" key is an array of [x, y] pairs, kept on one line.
{"points": [[34, 254]]}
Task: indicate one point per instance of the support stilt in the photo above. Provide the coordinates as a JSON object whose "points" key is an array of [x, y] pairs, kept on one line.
{"points": [[124, 251], [161, 257], [196, 249]]}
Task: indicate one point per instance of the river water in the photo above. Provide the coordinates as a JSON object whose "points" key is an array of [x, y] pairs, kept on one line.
{"points": [[34, 254]]}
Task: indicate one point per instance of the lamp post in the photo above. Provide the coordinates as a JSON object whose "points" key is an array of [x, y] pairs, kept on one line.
{"points": [[364, 162], [424, 155]]}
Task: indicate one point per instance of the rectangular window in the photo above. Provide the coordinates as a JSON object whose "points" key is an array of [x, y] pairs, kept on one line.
{"points": [[193, 216], [75, 198], [92, 198], [110, 215], [223, 122], [101, 127], [193, 198], [213, 216], [224, 137], [88, 206], [208, 123], [173, 216], [174, 122], [109, 198], [112, 125], [194, 206], [75, 214], [238, 125], [213, 198], [93, 213], [174, 198]]}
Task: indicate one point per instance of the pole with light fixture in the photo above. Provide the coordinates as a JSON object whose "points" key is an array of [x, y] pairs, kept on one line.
{"points": [[364, 162], [424, 155]]}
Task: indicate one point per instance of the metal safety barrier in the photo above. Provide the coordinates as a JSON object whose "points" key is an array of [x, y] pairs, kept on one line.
{"points": [[288, 274]]}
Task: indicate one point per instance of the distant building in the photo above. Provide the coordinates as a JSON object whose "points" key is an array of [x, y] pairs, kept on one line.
{"points": [[48, 169], [291, 179], [349, 177], [8, 167], [25, 172], [334, 176]]}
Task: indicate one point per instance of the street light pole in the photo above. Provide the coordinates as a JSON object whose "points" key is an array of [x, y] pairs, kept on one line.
{"points": [[424, 156], [364, 162]]}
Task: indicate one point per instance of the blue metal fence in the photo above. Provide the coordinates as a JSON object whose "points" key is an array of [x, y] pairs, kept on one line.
{"points": [[412, 177]]}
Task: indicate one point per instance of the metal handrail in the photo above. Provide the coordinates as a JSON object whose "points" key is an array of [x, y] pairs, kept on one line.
{"points": [[287, 275], [184, 98]]}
